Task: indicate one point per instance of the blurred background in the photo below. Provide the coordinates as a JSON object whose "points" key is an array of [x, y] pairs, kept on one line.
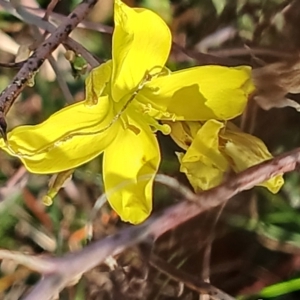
{"points": [[249, 244]]}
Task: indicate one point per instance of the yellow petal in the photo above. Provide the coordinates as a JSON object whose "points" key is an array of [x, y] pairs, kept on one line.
{"points": [[64, 141], [201, 93], [183, 133], [245, 151], [201, 175], [132, 155], [206, 145], [203, 163], [96, 82], [141, 42]]}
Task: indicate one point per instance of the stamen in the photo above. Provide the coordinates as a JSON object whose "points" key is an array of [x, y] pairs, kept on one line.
{"points": [[55, 184], [157, 114], [156, 126]]}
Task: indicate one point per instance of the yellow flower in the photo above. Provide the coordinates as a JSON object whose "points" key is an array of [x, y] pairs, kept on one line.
{"points": [[125, 98], [212, 149]]}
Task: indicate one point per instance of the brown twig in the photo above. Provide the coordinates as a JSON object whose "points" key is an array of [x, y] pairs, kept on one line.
{"points": [[60, 80], [208, 248], [34, 263], [48, 11], [245, 180], [13, 186], [191, 282], [34, 62], [50, 8], [206, 59], [84, 24], [246, 51], [13, 65]]}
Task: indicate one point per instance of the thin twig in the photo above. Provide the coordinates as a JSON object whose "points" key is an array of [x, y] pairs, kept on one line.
{"points": [[208, 247], [13, 186], [13, 65], [58, 18], [231, 52], [206, 59], [34, 263], [60, 80], [50, 8], [191, 282]]}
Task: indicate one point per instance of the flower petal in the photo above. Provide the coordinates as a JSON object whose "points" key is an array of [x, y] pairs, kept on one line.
{"points": [[51, 147], [201, 93], [245, 151], [132, 155], [141, 42], [97, 81], [202, 175], [203, 163], [183, 133]]}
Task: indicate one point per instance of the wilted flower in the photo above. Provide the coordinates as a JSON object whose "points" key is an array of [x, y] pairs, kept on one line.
{"points": [[213, 148]]}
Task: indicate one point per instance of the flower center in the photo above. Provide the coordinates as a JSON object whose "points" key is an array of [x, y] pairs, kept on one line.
{"points": [[146, 113]]}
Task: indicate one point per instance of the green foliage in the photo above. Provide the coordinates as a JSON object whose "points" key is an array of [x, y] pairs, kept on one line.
{"points": [[219, 5]]}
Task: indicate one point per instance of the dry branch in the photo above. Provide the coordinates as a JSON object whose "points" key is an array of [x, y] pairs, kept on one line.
{"points": [[70, 266], [191, 282]]}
